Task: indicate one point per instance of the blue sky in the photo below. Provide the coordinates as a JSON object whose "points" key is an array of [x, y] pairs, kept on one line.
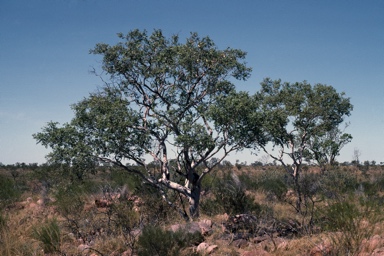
{"points": [[45, 60]]}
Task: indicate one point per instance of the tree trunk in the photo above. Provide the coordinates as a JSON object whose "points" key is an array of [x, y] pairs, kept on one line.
{"points": [[194, 201], [296, 178], [298, 192]]}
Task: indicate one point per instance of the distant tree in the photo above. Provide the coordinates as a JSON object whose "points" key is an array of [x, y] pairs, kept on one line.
{"points": [[257, 163], [300, 120], [161, 97], [324, 149], [356, 156]]}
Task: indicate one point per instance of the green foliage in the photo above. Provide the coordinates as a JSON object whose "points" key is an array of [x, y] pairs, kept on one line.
{"points": [[302, 123], [161, 94], [354, 221], [120, 178], [154, 241], [157, 211], [9, 193], [274, 182], [70, 199], [49, 235], [229, 197], [339, 182]]}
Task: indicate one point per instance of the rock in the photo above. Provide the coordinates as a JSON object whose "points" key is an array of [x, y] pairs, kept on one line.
{"points": [[202, 227], [206, 222], [205, 248], [212, 248], [205, 227], [373, 243], [241, 222], [324, 248], [41, 202], [378, 252], [283, 245], [175, 227], [193, 228], [202, 247], [127, 253], [102, 203], [83, 248]]}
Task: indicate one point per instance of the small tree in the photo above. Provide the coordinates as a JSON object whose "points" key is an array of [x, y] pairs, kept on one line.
{"points": [[324, 149], [300, 120], [356, 157], [160, 98]]}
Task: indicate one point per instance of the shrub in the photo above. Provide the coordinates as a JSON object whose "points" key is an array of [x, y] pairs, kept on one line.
{"points": [[338, 182], [353, 220], [120, 178], [8, 191], [49, 235], [70, 199], [274, 183], [229, 197], [155, 209], [156, 241]]}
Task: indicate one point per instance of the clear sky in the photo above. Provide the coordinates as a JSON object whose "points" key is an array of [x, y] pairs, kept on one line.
{"points": [[45, 60]]}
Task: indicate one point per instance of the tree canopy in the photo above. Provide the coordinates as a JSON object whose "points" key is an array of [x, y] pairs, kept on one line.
{"points": [[160, 97], [164, 101], [302, 122]]}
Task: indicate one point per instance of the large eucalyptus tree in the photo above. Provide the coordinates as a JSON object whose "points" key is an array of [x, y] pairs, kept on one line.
{"points": [[158, 102]]}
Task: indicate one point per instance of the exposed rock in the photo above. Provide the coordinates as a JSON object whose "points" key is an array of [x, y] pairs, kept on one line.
{"points": [[205, 248], [202, 247], [83, 248], [371, 244], [282, 245], [203, 227], [102, 203], [41, 202], [212, 248], [378, 252], [324, 248], [175, 227], [127, 253]]}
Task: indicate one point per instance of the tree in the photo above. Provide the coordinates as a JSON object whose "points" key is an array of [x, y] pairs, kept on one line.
{"points": [[161, 97], [300, 120], [324, 149], [356, 157]]}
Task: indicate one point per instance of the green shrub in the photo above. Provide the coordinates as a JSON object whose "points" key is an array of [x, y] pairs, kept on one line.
{"points": [[120, 178], [49, 235], [275, 183], [154, 241], [337, 182], [70, 199], [8, 191], [229, 197], [155, 210], [353, 220]]}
